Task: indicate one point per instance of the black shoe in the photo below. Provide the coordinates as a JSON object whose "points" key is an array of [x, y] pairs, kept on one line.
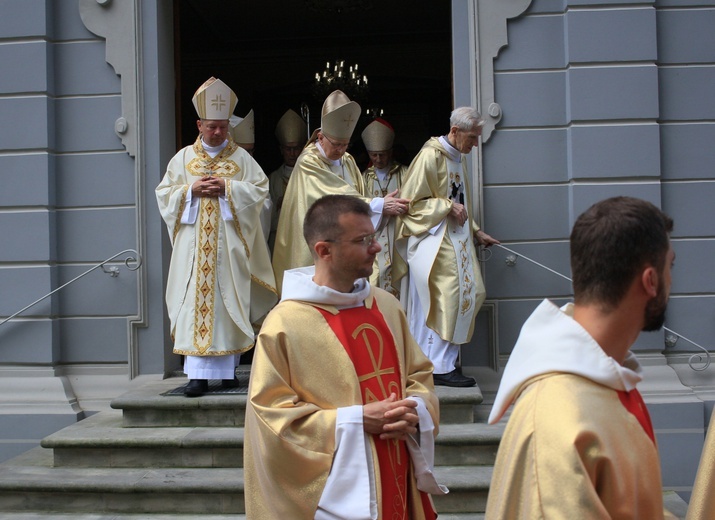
{"points": [[230, 383], [196, 388], [453, 378]]}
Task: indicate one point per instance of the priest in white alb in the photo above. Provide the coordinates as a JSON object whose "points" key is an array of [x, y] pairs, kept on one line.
{"points": [[220, 282]]}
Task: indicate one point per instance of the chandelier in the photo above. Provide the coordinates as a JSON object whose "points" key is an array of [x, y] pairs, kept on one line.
{"points": [[336, 77]]}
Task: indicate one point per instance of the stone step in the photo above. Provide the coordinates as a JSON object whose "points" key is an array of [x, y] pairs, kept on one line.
{"points": [[29, 483], [122, 490], [468, 489], [473, 444], [102, 441], [30, 489], [146, 406]]}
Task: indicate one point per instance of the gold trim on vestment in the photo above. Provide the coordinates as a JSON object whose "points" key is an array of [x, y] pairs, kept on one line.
{"points": [[207, 254], [220, 166], [213, 353], [263, 284], [182, 205], [467, 281]]}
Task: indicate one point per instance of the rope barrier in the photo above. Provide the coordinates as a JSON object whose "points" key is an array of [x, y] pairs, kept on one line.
{"points": [[695, 358]]}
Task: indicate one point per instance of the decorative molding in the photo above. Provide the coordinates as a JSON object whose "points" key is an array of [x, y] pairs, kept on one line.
{"points": [[117, 23], [490, 27], [483, 23]]}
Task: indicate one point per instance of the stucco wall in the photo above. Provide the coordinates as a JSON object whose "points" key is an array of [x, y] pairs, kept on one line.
{"points": [[601, 99], [68, 201], [68, 190]]}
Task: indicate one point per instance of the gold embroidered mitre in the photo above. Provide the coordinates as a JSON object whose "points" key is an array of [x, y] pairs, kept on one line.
{"points": [[214, 100]]}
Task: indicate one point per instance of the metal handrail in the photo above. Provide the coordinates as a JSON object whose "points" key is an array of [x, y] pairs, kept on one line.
{"points": [[694, 358], [112, 271]]}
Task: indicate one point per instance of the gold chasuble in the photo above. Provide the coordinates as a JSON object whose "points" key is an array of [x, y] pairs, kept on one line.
{"points": [[313, 177], [368, 342], [579, 442], [374, 187], [576, 449], [702, 501], [309, 361], [219, 281], [441, 255]]}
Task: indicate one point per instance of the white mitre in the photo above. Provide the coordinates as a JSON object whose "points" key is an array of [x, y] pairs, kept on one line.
{"points": [[242, 129], [339, 116], [378, 136], [214, 100], [291, 129]]}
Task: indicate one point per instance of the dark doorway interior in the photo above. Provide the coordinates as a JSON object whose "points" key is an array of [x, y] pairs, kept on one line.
{"points": [[269, 51]]}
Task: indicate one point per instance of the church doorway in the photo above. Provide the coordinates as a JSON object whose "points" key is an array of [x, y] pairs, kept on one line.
{"points": [[270, 53]]}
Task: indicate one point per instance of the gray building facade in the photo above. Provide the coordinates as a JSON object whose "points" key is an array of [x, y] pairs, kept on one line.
{"points": [[584, 100]]}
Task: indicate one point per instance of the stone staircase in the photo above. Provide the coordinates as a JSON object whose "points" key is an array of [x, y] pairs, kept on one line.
{"points": [[169, 457]]}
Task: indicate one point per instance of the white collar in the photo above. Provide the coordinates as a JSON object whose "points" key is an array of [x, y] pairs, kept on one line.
{"points": [[335, 162], [452, 152], [298, 284], [213, 151], [552, 341]]}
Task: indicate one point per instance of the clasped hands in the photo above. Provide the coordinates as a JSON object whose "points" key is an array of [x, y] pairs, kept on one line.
{"points": [[390, 418], [208, 186]]}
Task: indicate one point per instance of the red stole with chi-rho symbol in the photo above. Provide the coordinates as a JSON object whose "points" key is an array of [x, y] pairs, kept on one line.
{"points": [[369, 343]]}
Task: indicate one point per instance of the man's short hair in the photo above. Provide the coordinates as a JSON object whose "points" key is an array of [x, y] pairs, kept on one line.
{"points": [[611, 242], [465, 118], [322, 219]]}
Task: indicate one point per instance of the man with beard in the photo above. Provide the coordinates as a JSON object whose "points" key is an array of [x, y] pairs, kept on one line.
{"points": [[579, 442]]}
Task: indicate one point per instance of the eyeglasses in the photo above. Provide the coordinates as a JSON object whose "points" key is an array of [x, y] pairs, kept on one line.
{"points": [[366, 241], [336, 145]]}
